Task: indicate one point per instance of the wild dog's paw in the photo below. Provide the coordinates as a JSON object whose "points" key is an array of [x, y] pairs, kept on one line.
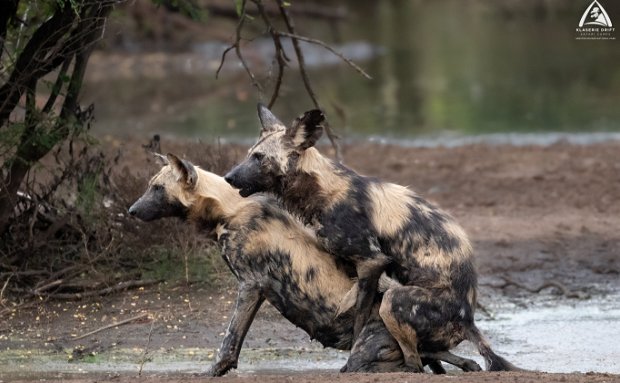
{"points": [[413, 367], [218, 369], [471, 366]]}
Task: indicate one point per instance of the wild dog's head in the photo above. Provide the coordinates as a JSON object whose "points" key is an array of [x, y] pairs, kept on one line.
{"points": [[167, 191], [277, 149]]}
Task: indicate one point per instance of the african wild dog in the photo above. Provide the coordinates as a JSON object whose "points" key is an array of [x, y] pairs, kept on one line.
{"points": [[274, 257], [376, 226]]}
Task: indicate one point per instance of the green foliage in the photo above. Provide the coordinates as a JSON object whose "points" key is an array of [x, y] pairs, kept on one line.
{"points": [[239, 4], [174, 262], [75, 5], [185, 7], [88, 194], [9, 138]]}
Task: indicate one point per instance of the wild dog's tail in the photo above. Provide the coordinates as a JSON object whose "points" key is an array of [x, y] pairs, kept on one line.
{"points": [[348, 301], [493, 361]]}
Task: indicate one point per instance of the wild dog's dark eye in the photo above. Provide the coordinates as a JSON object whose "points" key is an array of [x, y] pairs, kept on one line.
{"points": [[258, 156], [158, 187]]}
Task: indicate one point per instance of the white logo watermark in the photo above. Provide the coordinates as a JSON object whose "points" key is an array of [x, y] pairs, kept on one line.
{"points": [[595, 24]]}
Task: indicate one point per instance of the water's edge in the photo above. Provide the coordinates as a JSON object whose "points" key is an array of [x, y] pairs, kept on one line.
{"points": [[543, 333], [452, 141]]}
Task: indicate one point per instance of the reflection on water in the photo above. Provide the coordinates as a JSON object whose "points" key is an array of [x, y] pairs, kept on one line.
{"points": [[440, 66], [555, 335]]}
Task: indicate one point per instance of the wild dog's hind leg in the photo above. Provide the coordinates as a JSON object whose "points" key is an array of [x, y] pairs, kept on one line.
{"points": [[400, 311], [368, 274], [467, 365], [375, 350], [249, 300], [433, 364]]}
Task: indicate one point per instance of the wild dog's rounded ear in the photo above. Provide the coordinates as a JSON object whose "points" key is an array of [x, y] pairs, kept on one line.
{"points": [[306, 130], [268, 120], [185, 169], [163, 160]]}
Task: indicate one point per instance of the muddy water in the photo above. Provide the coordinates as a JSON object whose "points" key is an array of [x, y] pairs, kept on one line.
{"points": [[544, 334], [556, 336]]}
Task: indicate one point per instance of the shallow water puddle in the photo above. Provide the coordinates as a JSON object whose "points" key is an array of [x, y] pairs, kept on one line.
{"points": [[547, 335], [32, 364], [565, 336]]}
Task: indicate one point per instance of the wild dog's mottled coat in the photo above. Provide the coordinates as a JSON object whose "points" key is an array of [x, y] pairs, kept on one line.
{"points": [[376, 226], [274, 257]]}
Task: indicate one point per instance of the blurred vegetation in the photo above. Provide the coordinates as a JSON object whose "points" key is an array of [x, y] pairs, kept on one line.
{"points": [[63, 229]]}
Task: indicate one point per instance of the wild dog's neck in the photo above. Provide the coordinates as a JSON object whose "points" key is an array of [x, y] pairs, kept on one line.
{"points": [[313, 184], [214, 201]]}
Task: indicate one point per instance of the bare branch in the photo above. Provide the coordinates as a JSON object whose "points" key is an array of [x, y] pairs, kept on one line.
{"points": [[329, 48], [41, 42], [333, 138], [219, 68], [94, 293], [31, 107], [8, 10], [280, 53], [112, 325], [237, 46], [312, 11], [49, 104], [298, 52]]}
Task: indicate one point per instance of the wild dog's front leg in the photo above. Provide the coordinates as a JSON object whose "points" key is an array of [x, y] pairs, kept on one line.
{"points": [[368, 272], [249, 300]]}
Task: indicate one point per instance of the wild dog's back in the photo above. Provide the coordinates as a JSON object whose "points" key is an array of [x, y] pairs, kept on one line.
{"points": [[430, 247], [276, 250]]}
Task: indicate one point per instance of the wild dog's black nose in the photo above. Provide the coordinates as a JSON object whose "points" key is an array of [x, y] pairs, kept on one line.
{"points": [[132, 211], [228, 178]]}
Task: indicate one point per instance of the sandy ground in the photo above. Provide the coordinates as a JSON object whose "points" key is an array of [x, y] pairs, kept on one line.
{"points": [[535, 214], [479, 377]]}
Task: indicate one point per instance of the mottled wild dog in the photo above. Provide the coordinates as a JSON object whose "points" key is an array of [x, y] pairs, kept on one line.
{"points": [[274, 257], [376, 226]]}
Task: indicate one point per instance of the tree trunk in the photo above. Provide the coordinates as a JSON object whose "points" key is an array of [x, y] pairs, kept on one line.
{"points": [[8, 9], [32, 62], [31, 149]]}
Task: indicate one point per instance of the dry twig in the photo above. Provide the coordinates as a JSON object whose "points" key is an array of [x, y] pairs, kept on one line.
{"points": [[112, 325], [108, 290], [563, 289], [280, 54], [237, 47], [20, 306], [329, 48], [3, 289], [144, 358], [333, 138]]}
